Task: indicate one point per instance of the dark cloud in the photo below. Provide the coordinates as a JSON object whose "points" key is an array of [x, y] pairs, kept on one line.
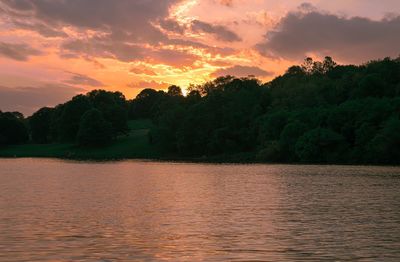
{"points": [[352, 39], [172, 26], [127, 52], [120, 29], [104, 15], [242, 71], [307, 7], [79, 79], [40, 28], [125, 30], [29, 99], [220, 32], [19, 52]]}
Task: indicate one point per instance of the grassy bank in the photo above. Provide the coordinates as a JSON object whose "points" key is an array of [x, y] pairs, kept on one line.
{"points": [[134, 145]]}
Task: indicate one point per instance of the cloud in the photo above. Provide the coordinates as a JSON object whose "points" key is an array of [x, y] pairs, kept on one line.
{"points": [[144, 71], [117, 29], [307, 7], [128, 52], [103, 15], [79, 79], [173, 57], [124, 30], [228, 3], [40, 28], [354, 39], [149, 84], [220, 32], [29, 99], [103, 48], [172, 26], [19, 52], [242, 71], [197, 45]]}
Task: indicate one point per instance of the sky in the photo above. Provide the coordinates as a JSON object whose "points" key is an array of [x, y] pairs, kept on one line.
{"points": [[51, 50]]}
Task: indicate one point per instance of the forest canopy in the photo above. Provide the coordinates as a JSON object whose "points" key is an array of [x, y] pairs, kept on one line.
{"points": [[317, 112]]}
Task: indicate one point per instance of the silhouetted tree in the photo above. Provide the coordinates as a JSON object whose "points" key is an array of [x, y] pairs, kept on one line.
{"points": [[193, 97], [12, 128], [295, 70], [94, 130], [68, 122], [145, 105], [40, 125], [113, 107], [308, 65], [328, 64], [174, 91]]}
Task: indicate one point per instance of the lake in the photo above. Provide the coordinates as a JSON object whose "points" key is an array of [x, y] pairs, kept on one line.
{"points": [[55, 210]]}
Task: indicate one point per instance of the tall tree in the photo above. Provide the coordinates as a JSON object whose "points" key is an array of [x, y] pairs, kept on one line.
{"points": [[40, 125], [94, 130]]}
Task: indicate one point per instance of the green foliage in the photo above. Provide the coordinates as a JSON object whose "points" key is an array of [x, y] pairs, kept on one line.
{"points": [[94, 130], [133, 145], [145, 105], [384, 147], [220, 122], [40, 125], [12, 128], [316, 112], [62, 123], [321, 145], [270, 152], [167, 128], [272, 125], [288, 139], [70, 117], [113, 107]]}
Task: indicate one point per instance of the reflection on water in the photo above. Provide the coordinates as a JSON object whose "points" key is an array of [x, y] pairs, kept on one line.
{"points": [[142, 211]]}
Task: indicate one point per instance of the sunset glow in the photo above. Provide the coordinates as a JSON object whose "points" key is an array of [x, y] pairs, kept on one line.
{"points": [[52, 50]]}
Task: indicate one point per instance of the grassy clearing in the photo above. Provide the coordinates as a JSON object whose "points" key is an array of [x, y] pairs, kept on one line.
{"points": [[133, 145]]}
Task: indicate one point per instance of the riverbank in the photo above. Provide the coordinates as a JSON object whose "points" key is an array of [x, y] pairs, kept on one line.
{"points": [[124, 148], [134, 145], [139, 149]]}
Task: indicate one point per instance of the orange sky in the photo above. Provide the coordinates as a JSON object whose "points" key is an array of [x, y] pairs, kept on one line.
{"points": [[51, 50]]}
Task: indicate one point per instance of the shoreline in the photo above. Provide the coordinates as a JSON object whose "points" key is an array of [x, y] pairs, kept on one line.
{"points": [[201, 160]]}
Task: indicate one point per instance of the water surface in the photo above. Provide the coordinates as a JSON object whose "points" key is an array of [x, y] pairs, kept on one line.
{"points": [[53, 210]]}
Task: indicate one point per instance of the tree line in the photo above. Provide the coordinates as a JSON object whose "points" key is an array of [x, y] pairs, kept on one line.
{"points": [[94, 119], [316, 112]]}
